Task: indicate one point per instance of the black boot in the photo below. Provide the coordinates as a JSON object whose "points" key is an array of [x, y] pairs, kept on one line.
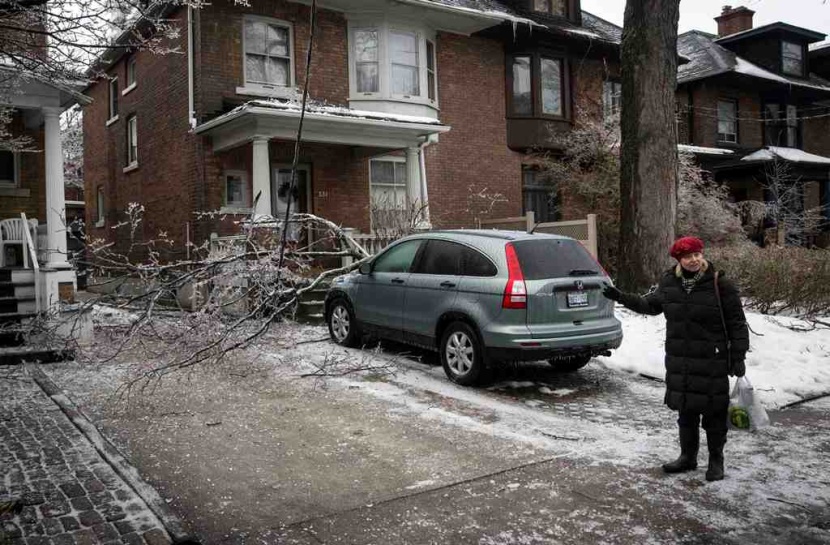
{"points": [[715, 440], [689, 444]]}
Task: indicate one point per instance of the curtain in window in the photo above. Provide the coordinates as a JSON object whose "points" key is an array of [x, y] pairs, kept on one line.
{"points": [[727, 125], [792, 58], [522, 101], [266, 53], [388, 194], [366, 58], [551, 87], [404, 54]]}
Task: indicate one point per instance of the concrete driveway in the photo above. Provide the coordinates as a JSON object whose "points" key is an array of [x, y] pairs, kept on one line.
{"points": [[253, 451]]}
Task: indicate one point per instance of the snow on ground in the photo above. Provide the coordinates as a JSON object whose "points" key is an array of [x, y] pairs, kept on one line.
{"points": [[783, 365]]}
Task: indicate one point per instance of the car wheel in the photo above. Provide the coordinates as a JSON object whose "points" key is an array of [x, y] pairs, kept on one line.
{"points": [[570, 363], [462, 354], [343, 326]]}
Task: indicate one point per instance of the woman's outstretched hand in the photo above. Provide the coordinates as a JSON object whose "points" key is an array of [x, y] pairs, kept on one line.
{"points": [[612, 293]]}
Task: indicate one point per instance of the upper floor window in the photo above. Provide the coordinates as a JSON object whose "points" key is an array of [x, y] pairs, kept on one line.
{"points": [[113, 105], [9, 168], [792, 58], [100, 212], [554, 7], [537, 86], [268, 53], [395, 62], [132, 141], [728, 121], [131, 78], [611, 99], [781, 125]]}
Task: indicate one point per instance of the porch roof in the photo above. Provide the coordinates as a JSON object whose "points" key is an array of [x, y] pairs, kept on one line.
{"points": [[323, 124], [793, 155], [36, 90]]}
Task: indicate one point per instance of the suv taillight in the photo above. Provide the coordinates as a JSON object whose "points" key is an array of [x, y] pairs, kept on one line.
{"points": [[515, 292]]}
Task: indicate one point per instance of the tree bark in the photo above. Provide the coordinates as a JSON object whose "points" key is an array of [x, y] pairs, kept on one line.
{"points": [[648, 157]]}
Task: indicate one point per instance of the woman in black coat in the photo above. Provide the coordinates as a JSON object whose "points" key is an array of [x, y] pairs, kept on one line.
{"points": [[699, 357]]}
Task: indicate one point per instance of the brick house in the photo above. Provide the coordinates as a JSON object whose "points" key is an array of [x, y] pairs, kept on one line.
{"points": [[416, 101], [751, 103], [32, 178]]}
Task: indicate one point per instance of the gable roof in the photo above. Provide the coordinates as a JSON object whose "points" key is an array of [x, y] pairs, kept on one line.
{"points": [[708, 58]]}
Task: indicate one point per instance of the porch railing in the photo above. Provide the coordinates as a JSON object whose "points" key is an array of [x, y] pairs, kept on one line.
{"points": [[30, 248]]}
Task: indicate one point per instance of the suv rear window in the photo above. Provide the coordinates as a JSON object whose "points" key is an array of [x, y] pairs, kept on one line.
{"points": [[552, 258]]}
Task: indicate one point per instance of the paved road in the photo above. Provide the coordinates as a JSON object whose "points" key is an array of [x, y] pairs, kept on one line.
{"points": [[250, 453], [69, 494]]}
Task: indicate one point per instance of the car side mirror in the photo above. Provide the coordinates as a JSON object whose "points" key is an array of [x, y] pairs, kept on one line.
{"points": [[365, 268]]}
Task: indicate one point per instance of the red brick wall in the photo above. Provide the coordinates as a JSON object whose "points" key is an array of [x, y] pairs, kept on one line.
{"points": [[816, 132], [221, 61], [32, 177], [164, 180], [705, 107]]}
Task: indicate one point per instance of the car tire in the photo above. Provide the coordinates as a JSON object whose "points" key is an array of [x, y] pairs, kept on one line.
{"points": [[343, 327], [567, 364], [462, 354]]}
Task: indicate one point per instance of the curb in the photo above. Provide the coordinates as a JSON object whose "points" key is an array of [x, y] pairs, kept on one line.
{"points": [[110, 453]]}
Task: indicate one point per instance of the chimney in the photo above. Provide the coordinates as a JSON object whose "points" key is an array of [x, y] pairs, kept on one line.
{"points": [[732, 20]]}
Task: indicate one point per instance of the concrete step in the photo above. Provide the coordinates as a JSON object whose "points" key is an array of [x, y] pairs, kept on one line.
{"points": [[24, 305], [15, 317], [12, 337], [17, 275], [12, 289], [23, 354]]}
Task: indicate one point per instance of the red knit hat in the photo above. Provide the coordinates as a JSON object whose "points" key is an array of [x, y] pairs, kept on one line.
{"points": [[685, 245]]}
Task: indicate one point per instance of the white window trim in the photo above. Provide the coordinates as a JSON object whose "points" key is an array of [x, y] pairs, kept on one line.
{"points": [[113, 116], [132, 165], [734, 122], [385, 158], [385, 63], [131, 84], [15, 183], [128, 89], [112, 120], [246, 197], [99, 209], [260, 89]]}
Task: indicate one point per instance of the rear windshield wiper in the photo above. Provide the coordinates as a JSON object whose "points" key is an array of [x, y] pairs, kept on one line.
{"points": [[582, 272]]}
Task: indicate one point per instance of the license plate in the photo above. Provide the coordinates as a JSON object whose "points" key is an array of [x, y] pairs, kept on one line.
{"points": [[578, 299]]}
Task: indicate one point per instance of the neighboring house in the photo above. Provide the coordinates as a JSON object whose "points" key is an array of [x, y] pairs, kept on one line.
{"points": [[752, 104], [32, 182], [411, 102]]}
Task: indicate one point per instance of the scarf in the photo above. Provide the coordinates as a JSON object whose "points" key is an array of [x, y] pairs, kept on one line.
{"points": [[688, 283]]}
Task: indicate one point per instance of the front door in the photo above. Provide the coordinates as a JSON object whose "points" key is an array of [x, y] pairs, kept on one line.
{"points": [[300, 200]]}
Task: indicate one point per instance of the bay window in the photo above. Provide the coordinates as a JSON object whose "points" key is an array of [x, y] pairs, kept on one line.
{"points": [[392, 63], [538, 86]]}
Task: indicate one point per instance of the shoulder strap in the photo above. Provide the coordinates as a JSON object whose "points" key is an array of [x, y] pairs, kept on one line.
{"points": [[722, 319]]}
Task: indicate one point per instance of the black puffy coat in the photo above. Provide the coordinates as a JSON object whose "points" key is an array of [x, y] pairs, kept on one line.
{"points": [[696, 355]]}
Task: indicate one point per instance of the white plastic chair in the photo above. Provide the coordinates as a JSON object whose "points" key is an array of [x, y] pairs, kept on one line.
{"points": [[13, 231]]}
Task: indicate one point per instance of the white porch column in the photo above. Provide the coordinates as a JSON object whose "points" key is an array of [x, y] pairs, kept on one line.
{"points": [[413, 177], [55, 197], [262, 176]]}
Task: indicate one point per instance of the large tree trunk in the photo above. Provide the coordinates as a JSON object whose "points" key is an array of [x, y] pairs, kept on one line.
{"points": [[648, 160]]}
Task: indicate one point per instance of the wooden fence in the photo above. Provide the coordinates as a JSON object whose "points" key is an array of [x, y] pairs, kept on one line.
{"points": [[585, 231]]}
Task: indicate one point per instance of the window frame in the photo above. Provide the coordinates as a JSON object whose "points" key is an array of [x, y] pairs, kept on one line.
{"points": [[784, 58], [132, 141], [384, 30], [131, 77], [14, 183], [734, 103], [536, 91], [100, 207], [228, 206], [549, 8], [113, 99], [540, 187], [267, 88], [395, 159], [613, 84]]}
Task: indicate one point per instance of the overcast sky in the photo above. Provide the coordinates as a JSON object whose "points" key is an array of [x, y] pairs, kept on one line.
{"points": [[700, 14]]}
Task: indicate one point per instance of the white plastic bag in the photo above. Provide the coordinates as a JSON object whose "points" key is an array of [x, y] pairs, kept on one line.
{"points": [[745, 410]]}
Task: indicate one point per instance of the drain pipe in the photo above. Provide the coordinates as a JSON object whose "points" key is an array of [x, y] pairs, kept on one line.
{"points": [[191, 107]]}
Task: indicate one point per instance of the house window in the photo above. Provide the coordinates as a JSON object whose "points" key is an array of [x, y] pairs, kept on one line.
{"points": [[132, 141], [727, 121], [131, 80], [431, 81], [268, 59], [537, 86], [389, 61], [781, 125], [388, 183], [792, 58], [236, 189], [611, 99], [114, 98], [539, 196], [9, 168], [366, 60], [554, 7], [99, 203]]}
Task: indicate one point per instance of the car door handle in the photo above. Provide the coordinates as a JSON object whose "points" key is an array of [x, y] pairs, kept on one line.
{"points": [[397, 280], [447, 284]]}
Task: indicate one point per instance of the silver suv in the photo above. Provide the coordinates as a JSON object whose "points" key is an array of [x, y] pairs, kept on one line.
{"points": [[479, 298]]}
